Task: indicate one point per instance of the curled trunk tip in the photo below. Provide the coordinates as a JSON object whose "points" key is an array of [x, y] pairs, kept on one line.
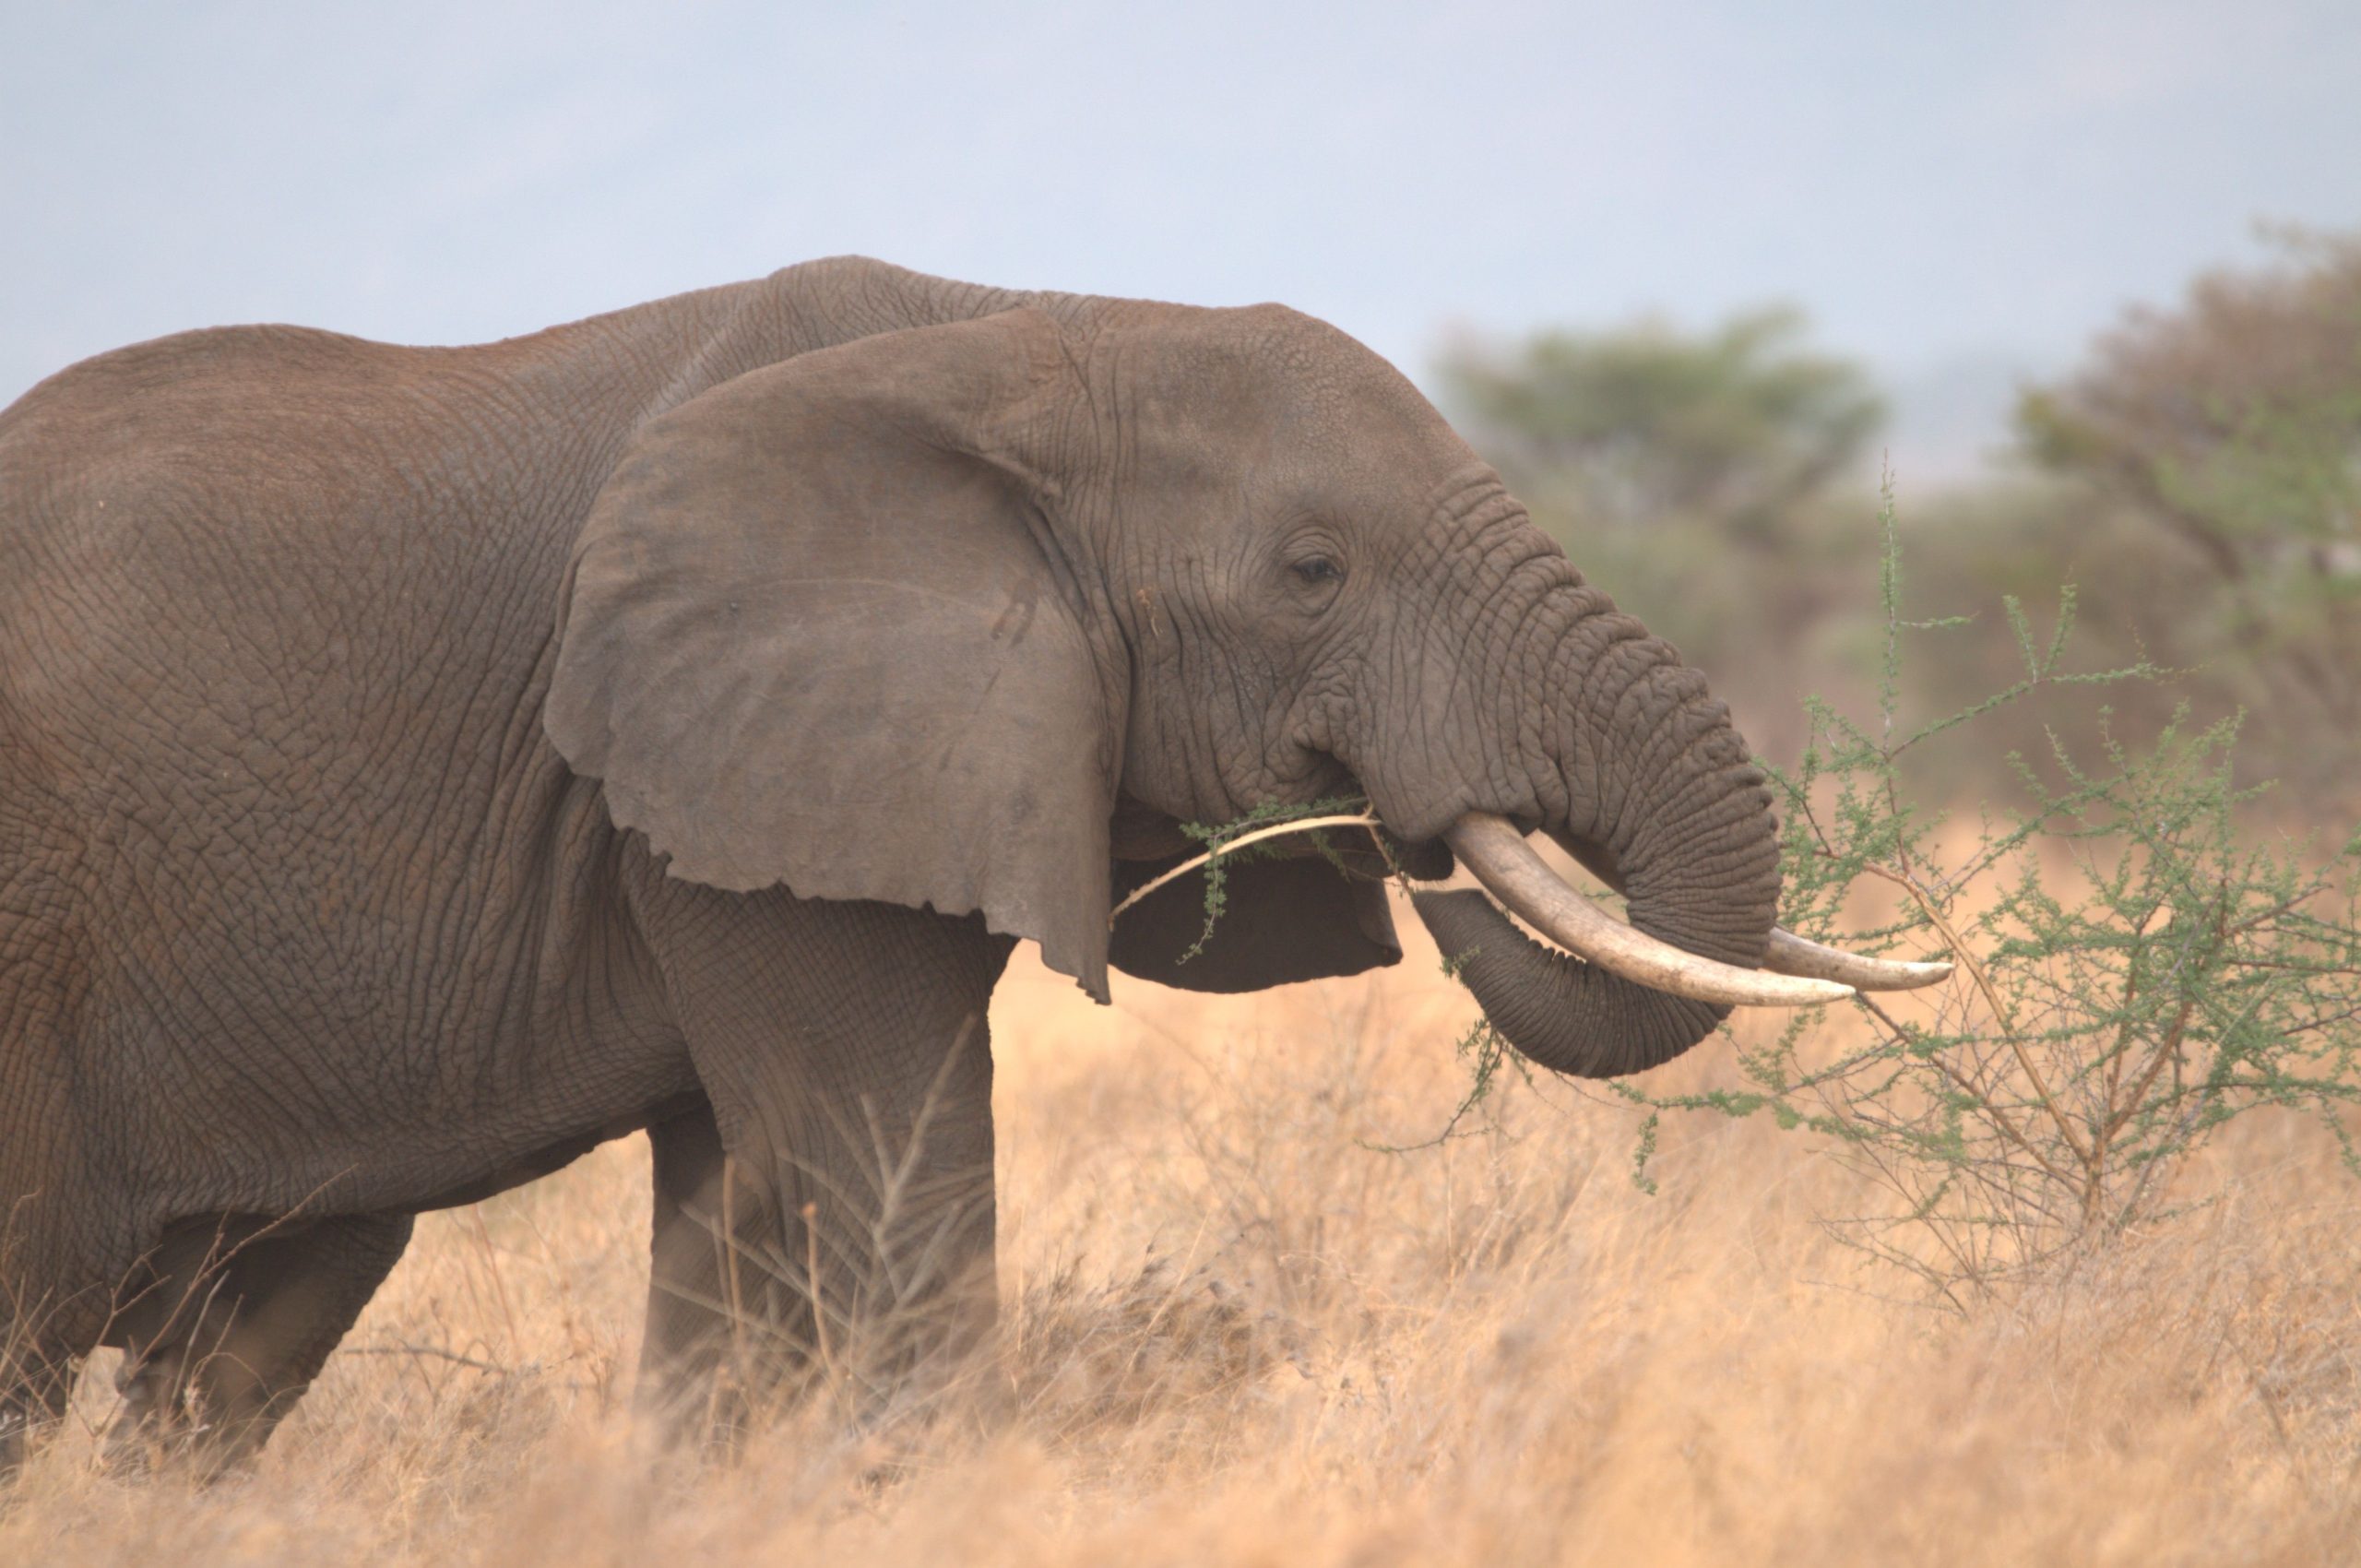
{"points": [[1564, 1015]]}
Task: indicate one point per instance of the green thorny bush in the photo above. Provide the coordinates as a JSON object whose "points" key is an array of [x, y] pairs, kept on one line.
{"points": [[2132, 973]]}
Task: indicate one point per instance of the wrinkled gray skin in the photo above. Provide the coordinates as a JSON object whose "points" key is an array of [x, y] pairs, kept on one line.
{"points": [[405, 756]]}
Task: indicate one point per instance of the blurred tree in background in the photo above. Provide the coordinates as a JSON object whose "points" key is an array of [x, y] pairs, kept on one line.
{"points": [[2229, 430], [2198, 480], [1648, 425], [2234, 422]]}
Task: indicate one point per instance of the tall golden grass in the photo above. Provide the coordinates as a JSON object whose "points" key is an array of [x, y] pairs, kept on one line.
{"points": [[1237, 1330]]}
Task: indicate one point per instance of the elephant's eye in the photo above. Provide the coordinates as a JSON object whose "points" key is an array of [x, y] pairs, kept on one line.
{"points": [[1317, 569]]}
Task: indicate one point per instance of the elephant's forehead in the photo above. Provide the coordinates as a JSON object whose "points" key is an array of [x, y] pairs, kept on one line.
{"points": [[1357, 448], [1291, 364], [1351, 427]]}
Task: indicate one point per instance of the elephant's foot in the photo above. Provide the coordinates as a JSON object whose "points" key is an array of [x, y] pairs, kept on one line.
{"points": [[15, 1442], [170, 1415], [151, 1415], [32, 1398]]}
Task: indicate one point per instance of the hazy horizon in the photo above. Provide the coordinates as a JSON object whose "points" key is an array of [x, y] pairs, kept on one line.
{"points": [[1957, 199]]}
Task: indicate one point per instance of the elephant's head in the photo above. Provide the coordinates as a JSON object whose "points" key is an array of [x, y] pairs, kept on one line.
{"points": [[970, 615]]}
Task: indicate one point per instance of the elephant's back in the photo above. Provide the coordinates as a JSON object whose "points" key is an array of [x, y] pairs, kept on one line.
{"points": [[195, 530], [273, 611], [267, 550], [272, 604], [141, 483]]}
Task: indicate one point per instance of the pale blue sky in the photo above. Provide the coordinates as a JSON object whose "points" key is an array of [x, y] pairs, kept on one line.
{"points": [[1954, 192]]}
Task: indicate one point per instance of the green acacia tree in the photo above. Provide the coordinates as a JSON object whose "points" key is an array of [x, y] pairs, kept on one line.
{"points": [[2135, 971]]}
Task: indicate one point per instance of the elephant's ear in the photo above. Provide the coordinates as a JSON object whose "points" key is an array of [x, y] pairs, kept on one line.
{"points": [[816, 634], [1299, 918]]}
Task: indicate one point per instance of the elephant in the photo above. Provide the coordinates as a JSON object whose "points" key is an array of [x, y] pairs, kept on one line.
{"points": [[418, 765]]}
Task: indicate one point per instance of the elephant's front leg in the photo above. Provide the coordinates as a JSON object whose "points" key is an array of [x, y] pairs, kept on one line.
{"points": [[834, 1212]]}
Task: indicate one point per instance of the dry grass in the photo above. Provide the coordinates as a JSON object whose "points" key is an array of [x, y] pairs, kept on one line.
{"points": [[1236, 1331]]}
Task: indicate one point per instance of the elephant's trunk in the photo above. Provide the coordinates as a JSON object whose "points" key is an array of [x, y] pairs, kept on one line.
{"points": [[1658, 789]]}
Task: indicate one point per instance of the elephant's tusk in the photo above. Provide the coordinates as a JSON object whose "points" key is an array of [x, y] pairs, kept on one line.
{"points": [[1789, 954], [1793, 955], [1497, 854]]}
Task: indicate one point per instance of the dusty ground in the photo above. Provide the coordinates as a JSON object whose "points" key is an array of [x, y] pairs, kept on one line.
{"points": [[1239, 1333]]}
